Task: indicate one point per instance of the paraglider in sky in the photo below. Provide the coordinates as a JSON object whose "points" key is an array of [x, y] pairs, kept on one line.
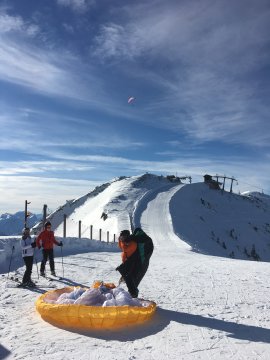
{"points": [[131, 99]]}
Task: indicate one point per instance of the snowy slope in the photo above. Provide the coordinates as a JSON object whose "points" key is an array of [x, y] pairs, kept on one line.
{"points": [[222, 224], [210, 221], [118, 199], [209, 307]]}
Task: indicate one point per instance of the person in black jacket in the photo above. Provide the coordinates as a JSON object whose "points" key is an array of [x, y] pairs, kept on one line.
{"points": [[135, 267], [145, 248]]}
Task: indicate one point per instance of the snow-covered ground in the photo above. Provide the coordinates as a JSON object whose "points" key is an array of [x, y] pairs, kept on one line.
{"points": [[209, 307]]}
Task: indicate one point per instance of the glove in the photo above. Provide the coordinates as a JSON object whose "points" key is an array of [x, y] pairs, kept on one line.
{"points": [[121, 280], [33, 244], [61, 243]]}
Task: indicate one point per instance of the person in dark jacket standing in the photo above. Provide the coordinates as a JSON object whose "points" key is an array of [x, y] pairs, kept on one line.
{"points": [[46, 240], [28, 256], [135, 266]]}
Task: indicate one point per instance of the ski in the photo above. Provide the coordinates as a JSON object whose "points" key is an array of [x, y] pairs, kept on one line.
{"points": [[18, 284], [37, 286], [52, 278]]}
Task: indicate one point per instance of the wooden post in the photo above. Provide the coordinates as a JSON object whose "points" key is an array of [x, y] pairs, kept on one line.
{"points": [[223, 184], [80, 229], [44, 215], [91, 232], [114, 238], [108, 236], [25, 213], [65, 226], [100, 234], [232, 179]]}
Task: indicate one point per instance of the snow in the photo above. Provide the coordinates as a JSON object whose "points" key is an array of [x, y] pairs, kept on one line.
{"points": [[210, 306], [117, 199], [70, 246]]}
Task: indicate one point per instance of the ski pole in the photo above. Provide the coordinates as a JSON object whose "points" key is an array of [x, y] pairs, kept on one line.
{"points": [[10, 260], [62, 260], [36, 264]]}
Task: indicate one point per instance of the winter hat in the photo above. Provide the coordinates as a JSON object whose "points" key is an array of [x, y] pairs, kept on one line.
{"points": [[47, 224], [124, 235]]}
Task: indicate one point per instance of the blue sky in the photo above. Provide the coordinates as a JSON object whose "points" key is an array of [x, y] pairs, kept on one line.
{"points": [[199, 71]]}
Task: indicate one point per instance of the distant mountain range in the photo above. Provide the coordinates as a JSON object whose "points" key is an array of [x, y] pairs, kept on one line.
{"points": [[12, 224]]}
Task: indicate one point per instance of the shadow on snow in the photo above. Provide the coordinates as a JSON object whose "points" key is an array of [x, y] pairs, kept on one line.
{"points": [[162, 319]]}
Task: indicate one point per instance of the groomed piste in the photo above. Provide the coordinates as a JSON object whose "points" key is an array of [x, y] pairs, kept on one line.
{"points": [[91, 317]]}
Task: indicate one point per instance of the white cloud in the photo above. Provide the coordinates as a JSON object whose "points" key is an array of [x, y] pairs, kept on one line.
{"points": [[114, 41], [16, 24], [246, 171], [211, 52], [39, 191], [77, 5], [57, 73], [25, 66], [15, 189], [43, 167], [20, 129]]}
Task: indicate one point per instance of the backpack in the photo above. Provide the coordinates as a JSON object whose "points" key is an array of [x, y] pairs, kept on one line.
{"points": [[145, 244]]}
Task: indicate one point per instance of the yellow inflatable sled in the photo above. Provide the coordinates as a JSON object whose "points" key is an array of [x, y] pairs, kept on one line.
{"points": [[91, 317]]}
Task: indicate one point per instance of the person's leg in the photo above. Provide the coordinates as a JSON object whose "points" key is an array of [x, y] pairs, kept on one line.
{"points": [[51, 258], [139, 276], [28, 260], [132, 288], [43, 262], [129, 270], [26, 273], [30, 265]]}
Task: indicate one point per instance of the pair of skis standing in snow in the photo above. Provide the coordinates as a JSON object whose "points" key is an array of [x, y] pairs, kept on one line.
{"points": [[45, 239], [137, 248]]}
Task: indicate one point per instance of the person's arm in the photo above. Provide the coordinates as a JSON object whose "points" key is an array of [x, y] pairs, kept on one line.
{"points": [[56, 242]]}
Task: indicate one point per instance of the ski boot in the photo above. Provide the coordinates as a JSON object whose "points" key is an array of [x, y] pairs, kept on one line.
{"points": [[22, 284], [31, 283]]}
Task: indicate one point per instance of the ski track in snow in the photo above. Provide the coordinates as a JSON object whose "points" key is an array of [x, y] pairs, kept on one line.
{"points": [[208, 307]]}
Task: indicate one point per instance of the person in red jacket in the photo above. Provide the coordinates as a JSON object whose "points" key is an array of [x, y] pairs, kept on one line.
{"points": [[46, 240]]}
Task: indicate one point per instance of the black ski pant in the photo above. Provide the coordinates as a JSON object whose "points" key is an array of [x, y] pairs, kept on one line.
{"points": [[142, 271], [28, 260], [47, 254], [129, 269]]}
